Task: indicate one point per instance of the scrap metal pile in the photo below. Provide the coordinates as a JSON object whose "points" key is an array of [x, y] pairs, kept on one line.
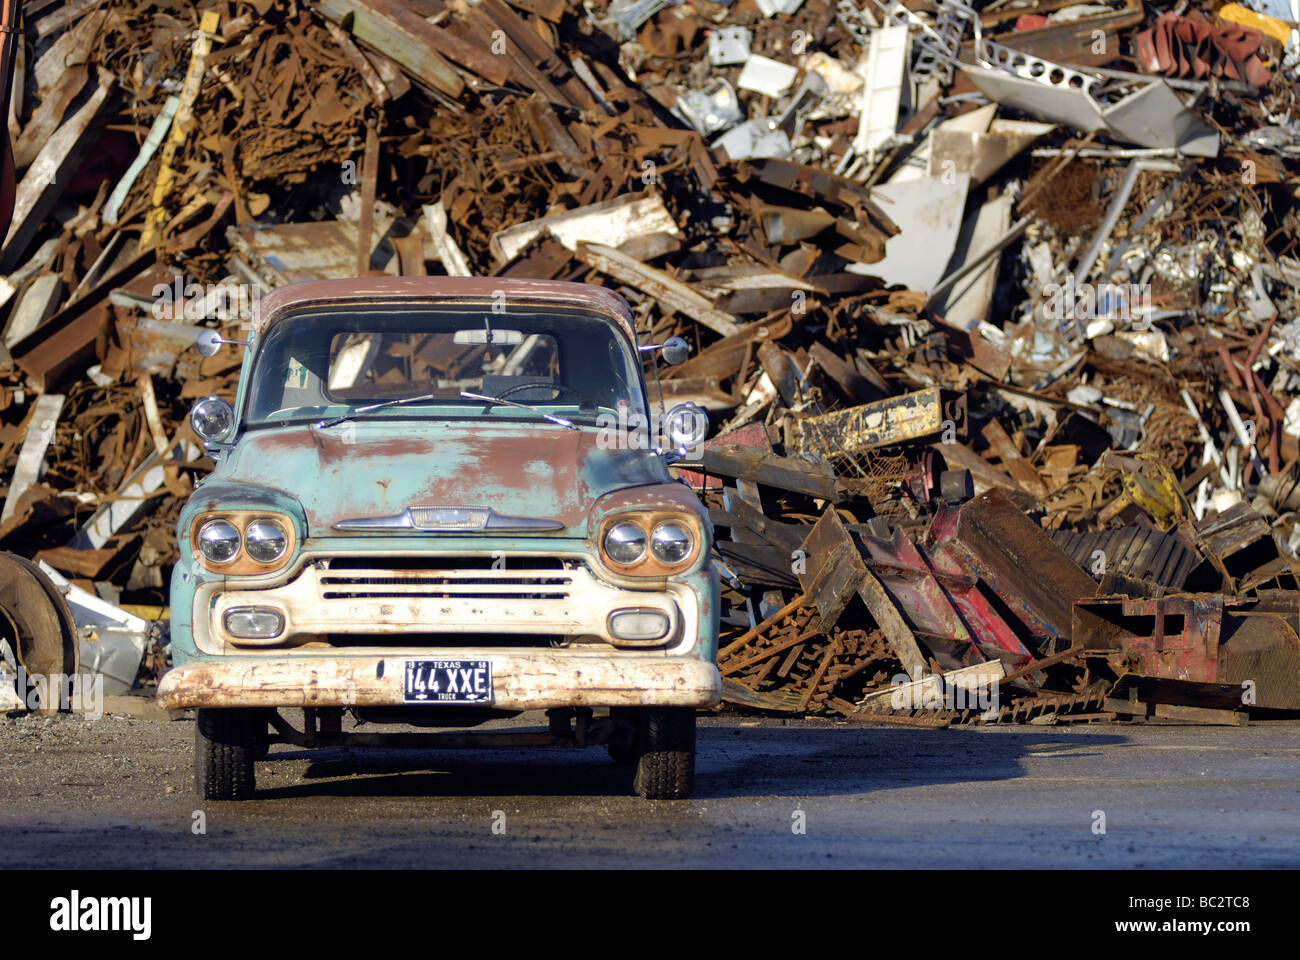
{"points": [[992, 308]]}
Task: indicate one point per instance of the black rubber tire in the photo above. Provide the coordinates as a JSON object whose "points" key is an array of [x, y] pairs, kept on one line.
{"points": [[665, 762], [623, 755], [225, 745]]}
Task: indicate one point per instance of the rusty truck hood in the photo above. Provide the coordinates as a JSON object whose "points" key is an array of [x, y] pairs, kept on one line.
{"points": [[380, 468]]}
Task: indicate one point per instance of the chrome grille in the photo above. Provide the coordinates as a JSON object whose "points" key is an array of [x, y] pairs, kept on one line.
{"points": [[543, 578]]}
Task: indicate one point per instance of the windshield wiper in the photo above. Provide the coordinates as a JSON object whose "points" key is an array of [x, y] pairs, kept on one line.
{"points": [[334, 421], [522, 406]]}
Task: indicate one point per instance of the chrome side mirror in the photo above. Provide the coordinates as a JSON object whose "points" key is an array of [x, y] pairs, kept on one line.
{"points": [[675, 350], [212, 418], [686, 425], [209, 342]]}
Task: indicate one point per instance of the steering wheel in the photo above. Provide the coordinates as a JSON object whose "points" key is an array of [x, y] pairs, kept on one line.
{"points": [[559, 389]]}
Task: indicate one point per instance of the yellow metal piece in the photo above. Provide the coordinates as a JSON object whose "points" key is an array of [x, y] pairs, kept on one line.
{"points": [[147, 611], [184, 119], [1150, 486], [1269, 26]]}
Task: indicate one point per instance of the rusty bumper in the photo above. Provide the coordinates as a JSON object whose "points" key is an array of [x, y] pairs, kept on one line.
{"points": [[533, 681]]}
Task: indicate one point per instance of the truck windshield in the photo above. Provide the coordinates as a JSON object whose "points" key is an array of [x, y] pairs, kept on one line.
{"points": [[323, 363]]}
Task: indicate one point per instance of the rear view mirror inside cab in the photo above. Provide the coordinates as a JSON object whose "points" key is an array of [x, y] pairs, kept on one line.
{"points": [[485, 335]]}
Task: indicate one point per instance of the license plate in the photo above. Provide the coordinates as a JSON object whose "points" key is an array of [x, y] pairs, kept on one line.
{"points": [[447, 681]]}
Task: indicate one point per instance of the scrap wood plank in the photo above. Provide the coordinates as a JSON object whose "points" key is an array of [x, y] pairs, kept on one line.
{"points": [[668, 290], [40, 431]]}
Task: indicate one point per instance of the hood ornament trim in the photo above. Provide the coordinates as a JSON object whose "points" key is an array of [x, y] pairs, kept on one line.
{"points": [[449, 520]]}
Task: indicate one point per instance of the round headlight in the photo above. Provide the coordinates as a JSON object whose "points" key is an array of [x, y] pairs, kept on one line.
{"points": [[671, 543], [219, 541], [625, 543], [265, 541]]}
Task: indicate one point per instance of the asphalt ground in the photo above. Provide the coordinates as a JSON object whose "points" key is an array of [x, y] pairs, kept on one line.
{"points": [[118, 793]]}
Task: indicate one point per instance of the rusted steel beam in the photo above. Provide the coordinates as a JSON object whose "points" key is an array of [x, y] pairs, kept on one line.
{"points": [[1018, 561], [742, 514], [835, 571], [786, 473], [831, 568], [369, 186]]}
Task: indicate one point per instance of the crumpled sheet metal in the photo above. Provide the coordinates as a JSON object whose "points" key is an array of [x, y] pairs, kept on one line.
{"points": [[1151, 116]]}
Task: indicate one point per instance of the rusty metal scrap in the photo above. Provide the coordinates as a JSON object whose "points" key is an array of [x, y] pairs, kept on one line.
{"points": [[1225, 652], [1095, 402], [910, 417]]}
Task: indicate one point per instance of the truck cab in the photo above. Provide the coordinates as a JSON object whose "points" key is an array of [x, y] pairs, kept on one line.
{"points": [[436, 502]]}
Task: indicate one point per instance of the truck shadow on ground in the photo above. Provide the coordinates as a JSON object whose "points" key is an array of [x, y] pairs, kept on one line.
{"points": [[732, 762]]}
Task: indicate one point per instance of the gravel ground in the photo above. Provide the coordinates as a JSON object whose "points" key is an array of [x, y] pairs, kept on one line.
{"points": [[116, 792]]}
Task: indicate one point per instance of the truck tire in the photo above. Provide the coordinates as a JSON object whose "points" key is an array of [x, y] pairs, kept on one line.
{"points": [[665, 763], [225, 745]]}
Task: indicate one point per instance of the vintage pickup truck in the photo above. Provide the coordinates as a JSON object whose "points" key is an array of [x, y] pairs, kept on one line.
{"points": [[437, 502]]}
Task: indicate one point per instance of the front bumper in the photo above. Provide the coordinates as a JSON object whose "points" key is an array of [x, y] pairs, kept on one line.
{"points": [[523, 681]]}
